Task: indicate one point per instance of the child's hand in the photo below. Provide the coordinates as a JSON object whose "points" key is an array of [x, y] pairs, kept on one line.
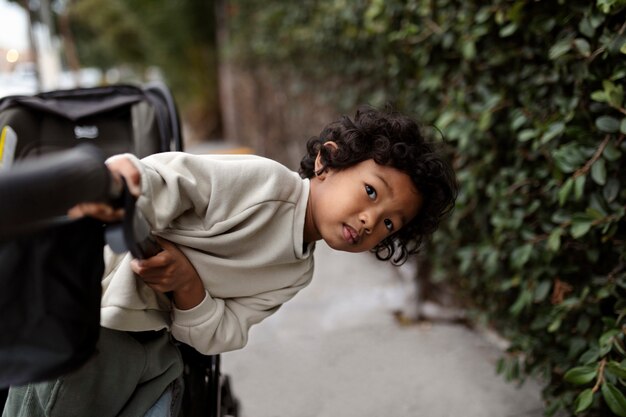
{"points": [[121, 166], [99, 211], [171, 271]]}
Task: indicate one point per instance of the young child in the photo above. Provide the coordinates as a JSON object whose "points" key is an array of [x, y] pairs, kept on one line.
{"points": [[238, 234]]}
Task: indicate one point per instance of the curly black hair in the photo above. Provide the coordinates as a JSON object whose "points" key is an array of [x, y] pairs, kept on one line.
{"points": [[391, 139]]}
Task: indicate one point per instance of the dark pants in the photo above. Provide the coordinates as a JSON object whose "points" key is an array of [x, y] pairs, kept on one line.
{"points": [[124, 379]]}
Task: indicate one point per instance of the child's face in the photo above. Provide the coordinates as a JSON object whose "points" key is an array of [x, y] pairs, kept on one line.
{"points": [[355, 208]]}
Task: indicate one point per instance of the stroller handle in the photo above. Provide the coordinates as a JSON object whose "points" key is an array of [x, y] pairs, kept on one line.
{"points": [[43, 188]]}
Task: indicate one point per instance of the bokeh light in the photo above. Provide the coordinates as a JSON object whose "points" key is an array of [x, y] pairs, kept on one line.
{"points": [[12, 55]]}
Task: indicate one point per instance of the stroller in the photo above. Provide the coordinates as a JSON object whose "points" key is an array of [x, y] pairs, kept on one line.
{"points": [[45, 136]]}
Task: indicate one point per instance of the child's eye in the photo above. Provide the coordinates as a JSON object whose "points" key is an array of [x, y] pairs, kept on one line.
{"points": [[371, 192], [388, 224]]}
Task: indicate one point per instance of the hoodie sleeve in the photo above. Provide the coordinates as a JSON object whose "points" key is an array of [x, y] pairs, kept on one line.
{"points": [[171, 184], [219, 325]]}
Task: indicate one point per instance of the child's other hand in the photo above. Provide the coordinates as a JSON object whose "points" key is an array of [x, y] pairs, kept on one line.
{"points": [[171, 271], [120, 167]]}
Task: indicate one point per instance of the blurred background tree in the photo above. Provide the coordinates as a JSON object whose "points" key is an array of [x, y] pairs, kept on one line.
{"points": [[138, 40], [177, 37]]}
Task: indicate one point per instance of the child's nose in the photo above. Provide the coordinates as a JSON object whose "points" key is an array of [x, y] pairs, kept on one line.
{"points": [[368, 220]]}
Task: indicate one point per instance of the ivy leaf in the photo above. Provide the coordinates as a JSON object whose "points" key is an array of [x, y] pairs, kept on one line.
{"points": [[581, 375], [468, 49], [586, 27], [554, 240], [580, 228], [559, 49], [522, 301], [583, 47], [611, 190], [598, 172], [554, 130], [554, 326], [565, 190], [615, 96], [579, 186], [599, 95], [592, 355], [608, 337], [583, 401], [521, 255], [593, 214], [611, 152], [508, 30], [616, 369], [526, 135], [543, 289], [614, 399], [607, 124]]}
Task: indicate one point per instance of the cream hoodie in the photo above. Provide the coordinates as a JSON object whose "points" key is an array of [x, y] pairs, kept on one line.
{"points": [[240, 221]]}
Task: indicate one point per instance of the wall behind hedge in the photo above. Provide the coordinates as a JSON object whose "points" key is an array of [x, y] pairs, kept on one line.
{"points": [[530, 95]]}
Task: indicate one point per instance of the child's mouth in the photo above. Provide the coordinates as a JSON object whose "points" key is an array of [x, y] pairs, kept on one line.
{"points": [[350, 235]]}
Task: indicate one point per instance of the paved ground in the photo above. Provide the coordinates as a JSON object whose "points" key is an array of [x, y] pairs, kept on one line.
{"points": [[335, 350]]}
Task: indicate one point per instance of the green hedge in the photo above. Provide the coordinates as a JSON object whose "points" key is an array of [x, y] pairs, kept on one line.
{"points": [[530, 93]]}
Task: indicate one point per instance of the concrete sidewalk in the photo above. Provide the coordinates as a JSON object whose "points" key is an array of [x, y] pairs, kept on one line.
{"points": [[336, 350]]}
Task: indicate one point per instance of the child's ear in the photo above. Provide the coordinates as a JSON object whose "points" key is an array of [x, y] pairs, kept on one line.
{"points": [[320, 164]]}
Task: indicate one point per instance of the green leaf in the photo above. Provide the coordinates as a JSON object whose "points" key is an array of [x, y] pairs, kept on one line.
{"points": [[599, 95], [615, 96], [521, 255], [592, 355], [554, 130], [518, 120], [554, 240], [559, 49], [608, 124], [593, 214], [485, 121], [607, 337], [598, 172], [469, 50], [579, 186], [616, 369], [566, 188], [582, 46], [445, 119], [526, 135], [555, 325], [568, 158], [580, 228], [583, 401], [611, 190], [614, 399], [606, 6], [586, 27], [583, 324], [581, 375], [542, 290], [508, 30], [611, 152], [500, 365], [622, 126]]}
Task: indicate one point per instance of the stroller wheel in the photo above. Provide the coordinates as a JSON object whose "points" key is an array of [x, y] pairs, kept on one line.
{"points": [[229, 404]]}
